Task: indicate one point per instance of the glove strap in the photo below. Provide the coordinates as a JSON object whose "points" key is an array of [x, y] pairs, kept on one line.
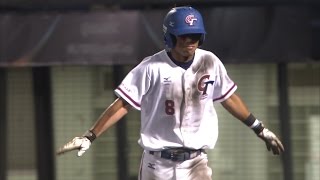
{"points": [[254, 124], [90, 135]]}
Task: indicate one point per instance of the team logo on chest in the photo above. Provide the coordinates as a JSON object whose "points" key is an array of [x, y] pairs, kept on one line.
{"points": [[203, 84]]}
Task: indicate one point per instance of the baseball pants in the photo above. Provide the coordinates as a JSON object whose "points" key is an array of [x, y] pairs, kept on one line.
{"points": [[153, 167]]}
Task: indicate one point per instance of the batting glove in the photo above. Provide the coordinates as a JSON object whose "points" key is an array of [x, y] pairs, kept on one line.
{"points": [[78, 143], [272, 141]]}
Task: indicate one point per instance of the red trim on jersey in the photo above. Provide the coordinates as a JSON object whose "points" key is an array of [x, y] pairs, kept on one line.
{"points": [[134, 102], [221, 97]]}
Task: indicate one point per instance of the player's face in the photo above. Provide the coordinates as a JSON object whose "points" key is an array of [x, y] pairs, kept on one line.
{"points": [[185, 47]]}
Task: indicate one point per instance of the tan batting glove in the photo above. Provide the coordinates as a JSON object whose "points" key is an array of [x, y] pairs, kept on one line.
{"points": [[272, 141], [78, 143]]}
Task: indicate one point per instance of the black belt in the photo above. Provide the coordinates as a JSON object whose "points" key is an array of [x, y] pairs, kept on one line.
{"points": [[178, 154]]}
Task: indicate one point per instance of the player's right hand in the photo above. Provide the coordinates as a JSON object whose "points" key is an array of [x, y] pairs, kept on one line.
{"points": [[78, 143]]}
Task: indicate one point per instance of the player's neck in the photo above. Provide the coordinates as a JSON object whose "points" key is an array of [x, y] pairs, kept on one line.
{"points": [[183, 64], [176, 57]]}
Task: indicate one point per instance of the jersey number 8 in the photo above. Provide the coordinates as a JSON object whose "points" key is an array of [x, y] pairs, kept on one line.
{"points": [[169, 107]]}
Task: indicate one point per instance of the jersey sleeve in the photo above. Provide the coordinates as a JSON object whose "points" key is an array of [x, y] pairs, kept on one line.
{"points": [[224, 85], [134, 85]]}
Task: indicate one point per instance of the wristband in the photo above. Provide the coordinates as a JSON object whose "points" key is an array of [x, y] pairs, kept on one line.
{"points": [[250, 120], [258, 129], [254, 124], [90, 135]]}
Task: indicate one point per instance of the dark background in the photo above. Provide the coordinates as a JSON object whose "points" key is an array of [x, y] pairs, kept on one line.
{"points": [[40, 33]]}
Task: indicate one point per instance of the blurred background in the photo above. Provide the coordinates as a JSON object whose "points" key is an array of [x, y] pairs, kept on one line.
{"points": [[61, 60]]}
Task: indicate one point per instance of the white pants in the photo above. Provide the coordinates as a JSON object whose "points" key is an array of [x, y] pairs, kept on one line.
{"points": [[157, 168]]}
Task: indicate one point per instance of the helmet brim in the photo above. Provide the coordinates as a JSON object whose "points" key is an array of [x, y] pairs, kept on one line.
{"points": [[188, 31]]}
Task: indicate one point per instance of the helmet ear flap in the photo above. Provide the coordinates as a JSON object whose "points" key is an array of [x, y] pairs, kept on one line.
{"points": [[169, 40], [202, 38]]}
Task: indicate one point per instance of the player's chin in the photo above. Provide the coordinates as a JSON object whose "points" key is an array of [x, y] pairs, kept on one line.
{"points": [[189, 50], [188, 53]]}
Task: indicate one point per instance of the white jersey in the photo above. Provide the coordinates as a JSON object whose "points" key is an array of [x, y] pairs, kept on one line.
{"points": [[177, 104]]}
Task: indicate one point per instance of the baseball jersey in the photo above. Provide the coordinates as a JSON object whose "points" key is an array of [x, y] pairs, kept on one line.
{"points": [[176, 104]]}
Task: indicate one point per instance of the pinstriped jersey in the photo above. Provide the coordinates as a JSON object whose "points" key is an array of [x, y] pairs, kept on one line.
{"points": [[177, 104]]}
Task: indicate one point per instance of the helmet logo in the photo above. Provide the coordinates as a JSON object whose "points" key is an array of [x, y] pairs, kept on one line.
{"points": [[171, 23], [189, 19], [164, 28]]}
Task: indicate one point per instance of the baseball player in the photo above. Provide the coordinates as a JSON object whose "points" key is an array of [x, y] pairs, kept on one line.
{"points": [[175, 90]]}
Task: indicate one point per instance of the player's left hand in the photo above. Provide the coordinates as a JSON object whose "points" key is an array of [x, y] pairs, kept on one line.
{"points": [[272, 141]]}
